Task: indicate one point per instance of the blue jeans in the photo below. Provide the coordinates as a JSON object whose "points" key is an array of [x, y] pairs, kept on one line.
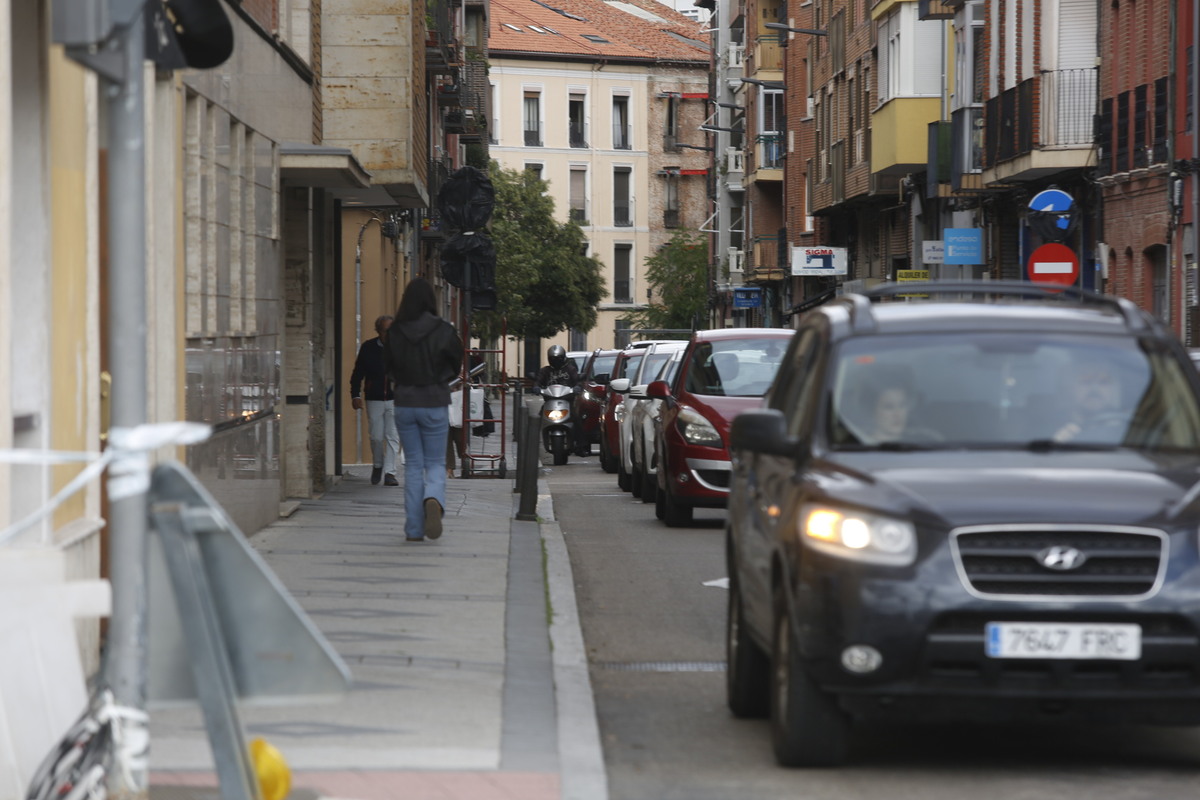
{"points": [[423, 434]]}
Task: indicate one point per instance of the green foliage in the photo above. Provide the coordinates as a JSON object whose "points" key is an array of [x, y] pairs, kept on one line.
{"points": [[678, 274], [477, 156], [544, 282]]}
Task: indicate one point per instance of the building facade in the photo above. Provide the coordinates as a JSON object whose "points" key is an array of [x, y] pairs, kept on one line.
{"points": [[597, 98]]}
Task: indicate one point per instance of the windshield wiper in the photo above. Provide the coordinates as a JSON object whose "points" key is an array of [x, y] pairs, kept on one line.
{"points": [[1048, 445]]}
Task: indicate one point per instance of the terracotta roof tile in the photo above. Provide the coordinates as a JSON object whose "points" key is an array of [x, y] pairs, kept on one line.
{"points": [[602, 29]]}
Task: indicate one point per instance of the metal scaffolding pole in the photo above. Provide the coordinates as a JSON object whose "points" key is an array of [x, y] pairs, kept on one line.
{"points": [[128, 477]]}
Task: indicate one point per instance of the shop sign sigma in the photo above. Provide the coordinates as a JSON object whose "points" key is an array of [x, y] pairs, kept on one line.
{"points": [[807, 261]]}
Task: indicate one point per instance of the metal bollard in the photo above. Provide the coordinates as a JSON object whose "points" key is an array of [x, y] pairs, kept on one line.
{"points": [[531, 459], [518, 427]]}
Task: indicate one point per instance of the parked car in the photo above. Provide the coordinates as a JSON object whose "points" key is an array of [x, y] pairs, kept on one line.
{"points": [[590, 403], [580, 358], [633, 389], [982, 508], [722, 373], [610, 447], [643, 419]]}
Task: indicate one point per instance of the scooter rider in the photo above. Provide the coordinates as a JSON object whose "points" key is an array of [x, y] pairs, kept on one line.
{"points": [[562, 371]]}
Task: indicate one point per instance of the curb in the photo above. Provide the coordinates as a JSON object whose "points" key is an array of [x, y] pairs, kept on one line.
{"points": [[581, 756]]}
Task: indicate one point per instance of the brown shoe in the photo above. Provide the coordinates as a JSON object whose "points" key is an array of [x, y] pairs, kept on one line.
{"points": [[433, 518]]}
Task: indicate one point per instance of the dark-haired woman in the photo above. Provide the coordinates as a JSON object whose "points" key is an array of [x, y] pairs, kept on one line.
{"points": [[424, 353]]}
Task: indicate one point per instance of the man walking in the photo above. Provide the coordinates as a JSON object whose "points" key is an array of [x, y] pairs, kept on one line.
{"points": [[370, 378]]}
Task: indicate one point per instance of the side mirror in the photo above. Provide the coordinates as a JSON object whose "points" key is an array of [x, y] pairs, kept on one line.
{"points": [[602, 378], [762, 431], [620, 385], [658, 390]]}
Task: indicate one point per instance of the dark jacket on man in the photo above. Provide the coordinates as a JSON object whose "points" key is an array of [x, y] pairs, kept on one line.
{"points": [[369, 379], [423, 356], [566, 375]]}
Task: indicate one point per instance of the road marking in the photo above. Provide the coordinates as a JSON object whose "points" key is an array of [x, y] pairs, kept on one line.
{"points": [[719, 583]]}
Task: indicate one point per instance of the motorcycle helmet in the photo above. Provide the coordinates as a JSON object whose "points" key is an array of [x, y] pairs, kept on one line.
{"points": [[556, 356]]}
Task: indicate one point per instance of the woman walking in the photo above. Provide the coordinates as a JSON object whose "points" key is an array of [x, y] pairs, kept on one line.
{"points": [[424, 353]]}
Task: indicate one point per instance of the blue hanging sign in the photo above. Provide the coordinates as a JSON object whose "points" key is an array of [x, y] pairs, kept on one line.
{"points": [[747, 297]]}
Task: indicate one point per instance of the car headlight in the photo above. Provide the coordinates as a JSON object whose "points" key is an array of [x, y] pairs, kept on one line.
{"points": [[695, 429], [588, 396], [858, 536], [556, 414], [619, 412]]}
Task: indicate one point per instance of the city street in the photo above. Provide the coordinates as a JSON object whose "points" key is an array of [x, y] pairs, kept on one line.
{"points": [[654, 633]]}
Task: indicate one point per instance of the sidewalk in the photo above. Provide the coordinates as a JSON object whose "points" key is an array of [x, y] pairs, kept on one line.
{"points": [[456, 692]]}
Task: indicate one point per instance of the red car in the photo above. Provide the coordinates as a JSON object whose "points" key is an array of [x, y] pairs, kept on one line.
{"points": [[594, 377], [610, 446], [723, 372]]}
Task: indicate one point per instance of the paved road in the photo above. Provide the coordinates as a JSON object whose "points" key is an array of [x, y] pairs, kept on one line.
{"points": [[654, 636]]}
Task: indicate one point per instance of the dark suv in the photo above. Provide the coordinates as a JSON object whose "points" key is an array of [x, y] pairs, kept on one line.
{"points": [[984, 507]]}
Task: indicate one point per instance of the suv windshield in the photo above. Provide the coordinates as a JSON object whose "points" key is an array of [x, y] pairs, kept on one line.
{"points": [[735, 367], [1006, 389]]}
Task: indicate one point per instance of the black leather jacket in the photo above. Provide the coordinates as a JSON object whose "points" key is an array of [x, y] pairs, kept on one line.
{"points": [[423, 356]]}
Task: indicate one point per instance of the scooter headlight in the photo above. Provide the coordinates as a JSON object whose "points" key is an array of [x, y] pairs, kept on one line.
{"points": [[556, 414]]}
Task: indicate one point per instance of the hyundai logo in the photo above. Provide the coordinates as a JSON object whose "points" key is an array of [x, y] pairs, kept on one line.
{"points": [[1061, 558]]}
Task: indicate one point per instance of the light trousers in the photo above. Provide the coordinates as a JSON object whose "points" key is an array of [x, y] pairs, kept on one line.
{"points": [[385, 439]]}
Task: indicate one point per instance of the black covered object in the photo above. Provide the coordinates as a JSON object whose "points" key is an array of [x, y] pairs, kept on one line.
{"points": [[202, 31], [466, 201]]}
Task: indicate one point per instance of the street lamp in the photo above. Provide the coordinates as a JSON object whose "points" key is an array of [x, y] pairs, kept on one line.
{"points": [[779, 26], [764, 84], [714, 128], [693, 147]]}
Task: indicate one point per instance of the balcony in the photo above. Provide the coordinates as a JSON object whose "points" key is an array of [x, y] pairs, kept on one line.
{"points": [[1028, 140], [898, 138], [734, 168], [768, 55], [768, 157], [768, 262], [671, 218]]}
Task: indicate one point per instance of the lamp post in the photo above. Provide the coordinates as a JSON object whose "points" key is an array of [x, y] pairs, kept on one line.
{"points": [[779, 26]]}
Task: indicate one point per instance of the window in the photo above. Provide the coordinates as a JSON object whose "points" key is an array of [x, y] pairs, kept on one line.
{"points": [[671, 199], [620, 122], [671, 124], [622, 288], [577, 120], [1140, 156], [494, 127], [1122, 151], [535, 167], [533, 119], [578, 197], [621, 197]]}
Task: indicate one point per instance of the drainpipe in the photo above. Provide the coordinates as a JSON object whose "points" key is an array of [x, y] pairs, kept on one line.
{"points": [[358, 282], [1195, 133]]}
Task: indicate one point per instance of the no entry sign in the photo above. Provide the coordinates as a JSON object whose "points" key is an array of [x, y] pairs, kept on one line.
{"points": [[1054, 263]]}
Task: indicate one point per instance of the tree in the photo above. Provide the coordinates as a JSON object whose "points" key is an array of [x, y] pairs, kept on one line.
{"points": [[545, 283], [678, 276]]}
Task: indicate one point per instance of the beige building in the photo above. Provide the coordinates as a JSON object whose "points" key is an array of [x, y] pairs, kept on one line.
{"points": [[596, 97]]}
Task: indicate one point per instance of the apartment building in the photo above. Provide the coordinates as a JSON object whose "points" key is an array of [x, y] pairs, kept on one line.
{"points": [[604, 100]]}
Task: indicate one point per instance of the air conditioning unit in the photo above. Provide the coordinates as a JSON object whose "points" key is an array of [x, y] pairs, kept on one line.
{"points": [[735, 261]]}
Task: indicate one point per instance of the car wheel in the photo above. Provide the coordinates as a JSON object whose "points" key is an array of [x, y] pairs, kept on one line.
{"points": [[660, 503], [622, 475], [635, 481], [675, 514], [649, 487], [807, 727], [747, 668], [606, 462]]}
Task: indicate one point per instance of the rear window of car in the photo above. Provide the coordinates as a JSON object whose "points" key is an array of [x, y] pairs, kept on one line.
{"points": [[1021, 389], [734, 367], [602, 365]]}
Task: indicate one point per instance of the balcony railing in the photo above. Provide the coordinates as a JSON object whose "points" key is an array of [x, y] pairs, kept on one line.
{"points": [[735, 55], [767, 52], [533, 138], [622, 292], [577, 139], [579, 215], [1009, 124], [770, 150], [670, 217], [621, 217], [1068, 106], [837, 155], [734, 158]]}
